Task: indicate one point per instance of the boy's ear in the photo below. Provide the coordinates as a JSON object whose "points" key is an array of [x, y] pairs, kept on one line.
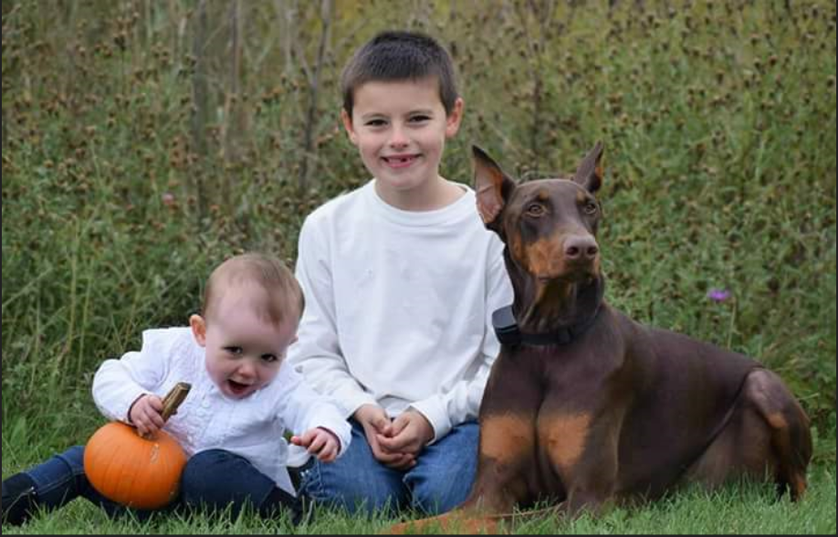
{"points": [[199, 329], [347, 124], [452, 122]]}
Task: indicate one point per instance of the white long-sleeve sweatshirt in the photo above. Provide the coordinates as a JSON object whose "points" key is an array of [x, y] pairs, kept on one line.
{"points": [[252, 427], [398, 306]]}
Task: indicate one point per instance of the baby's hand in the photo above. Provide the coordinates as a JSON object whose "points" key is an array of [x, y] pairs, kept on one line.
{"points": [[320, 442], [145, 414]]}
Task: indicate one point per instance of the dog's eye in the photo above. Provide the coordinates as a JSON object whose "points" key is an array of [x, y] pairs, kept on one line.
{"points": [[535, 210], [590, 208]]}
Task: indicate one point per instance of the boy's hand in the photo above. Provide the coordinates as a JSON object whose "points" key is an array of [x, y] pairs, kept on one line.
{"points": [[145, 414], [320, 442], [411, 432], [376, 423]]}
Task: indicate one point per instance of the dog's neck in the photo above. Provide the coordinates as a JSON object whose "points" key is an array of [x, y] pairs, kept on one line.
{"points": [[546, 307]]}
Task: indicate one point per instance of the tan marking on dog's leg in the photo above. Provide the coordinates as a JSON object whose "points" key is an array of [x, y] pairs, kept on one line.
{"points": [[789, 428], [564, 437], [777, 421], [798, 486], [506, 437]]}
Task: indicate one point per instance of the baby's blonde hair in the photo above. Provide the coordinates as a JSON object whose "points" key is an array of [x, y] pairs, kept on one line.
{"points": [[283, 296]]}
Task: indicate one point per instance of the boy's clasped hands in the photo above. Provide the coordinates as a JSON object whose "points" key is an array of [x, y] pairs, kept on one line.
{"points": [[395, 443]]}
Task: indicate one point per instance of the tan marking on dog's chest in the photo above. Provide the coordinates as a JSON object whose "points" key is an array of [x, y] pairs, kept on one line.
{"points": [[563, 437], [506, 437]]}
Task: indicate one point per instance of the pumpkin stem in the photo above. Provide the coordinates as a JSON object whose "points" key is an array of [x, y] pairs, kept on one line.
{"points": [[174, 398]]}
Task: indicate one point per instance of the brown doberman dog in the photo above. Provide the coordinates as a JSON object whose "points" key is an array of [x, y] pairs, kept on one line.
{"points": [[584, 406]]}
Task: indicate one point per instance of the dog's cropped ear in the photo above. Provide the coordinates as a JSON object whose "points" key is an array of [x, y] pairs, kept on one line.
{"points": [[493, 187], [589, 174]]}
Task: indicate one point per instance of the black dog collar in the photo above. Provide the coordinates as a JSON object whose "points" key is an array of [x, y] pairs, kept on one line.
{"points": [[508, 333]]}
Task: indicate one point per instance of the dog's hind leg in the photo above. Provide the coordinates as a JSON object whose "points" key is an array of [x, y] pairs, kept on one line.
{"points": [[788, 425], [767, 433]]}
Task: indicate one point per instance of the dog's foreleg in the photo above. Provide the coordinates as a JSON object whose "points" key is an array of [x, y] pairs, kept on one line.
{"points": [[583, 453]]}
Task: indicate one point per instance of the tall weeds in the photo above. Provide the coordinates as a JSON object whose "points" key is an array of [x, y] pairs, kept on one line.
{"points": [[143, 141]]}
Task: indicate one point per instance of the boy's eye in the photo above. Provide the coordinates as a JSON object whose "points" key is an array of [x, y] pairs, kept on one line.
{"points": [[376, 123], [270, 358], [233, 350], [419, 118]]}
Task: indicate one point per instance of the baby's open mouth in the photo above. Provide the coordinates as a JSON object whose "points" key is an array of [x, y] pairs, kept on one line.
{"points": [[237, 387]]}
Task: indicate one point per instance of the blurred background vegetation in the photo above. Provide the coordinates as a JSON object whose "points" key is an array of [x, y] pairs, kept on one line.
{"points": [[145, 140]]}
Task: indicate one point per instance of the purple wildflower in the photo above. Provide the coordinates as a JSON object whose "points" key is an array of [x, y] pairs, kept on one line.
{"points": [[718, 295]]}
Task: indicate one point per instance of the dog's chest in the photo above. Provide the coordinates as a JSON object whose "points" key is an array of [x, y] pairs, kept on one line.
{"points": [[565, 369]]}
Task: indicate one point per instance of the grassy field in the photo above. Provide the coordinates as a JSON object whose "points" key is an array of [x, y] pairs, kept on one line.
{"points": [[145, 141], [741, 508]]}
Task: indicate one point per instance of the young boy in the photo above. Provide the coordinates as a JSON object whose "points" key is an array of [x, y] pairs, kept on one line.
{"points": [[231, 423], [400, 278]]}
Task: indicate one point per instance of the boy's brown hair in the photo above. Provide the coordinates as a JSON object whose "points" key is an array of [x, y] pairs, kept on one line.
{"points": [[395, 56], [283, 296]]}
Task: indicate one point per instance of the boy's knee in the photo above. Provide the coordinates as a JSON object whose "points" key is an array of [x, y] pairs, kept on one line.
{"points": [[350, 495], [441, 490]]}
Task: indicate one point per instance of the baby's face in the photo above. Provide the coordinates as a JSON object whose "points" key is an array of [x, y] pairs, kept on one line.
{"points": [[243, 350]]}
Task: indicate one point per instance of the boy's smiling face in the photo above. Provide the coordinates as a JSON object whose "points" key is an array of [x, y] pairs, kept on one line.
{"points": [[400, 129]]}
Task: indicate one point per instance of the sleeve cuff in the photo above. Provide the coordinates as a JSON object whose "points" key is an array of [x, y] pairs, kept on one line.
{"points": [[350, 402], [434, 410], [343, 432], [329, 419]]}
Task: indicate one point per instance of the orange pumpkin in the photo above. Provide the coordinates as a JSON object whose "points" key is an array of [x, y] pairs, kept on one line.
{"points": [[142, 473]]}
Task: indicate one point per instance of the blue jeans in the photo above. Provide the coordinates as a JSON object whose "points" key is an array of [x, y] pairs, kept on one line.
{"points": [[441, 479], [214, 479]]}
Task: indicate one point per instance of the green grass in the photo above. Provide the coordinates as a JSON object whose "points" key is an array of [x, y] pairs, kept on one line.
{"points": [[737, 508], [744, 507], [122, 186]]}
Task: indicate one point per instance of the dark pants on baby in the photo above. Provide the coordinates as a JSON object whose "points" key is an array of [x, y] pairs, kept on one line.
{"points": [[213, 480]]}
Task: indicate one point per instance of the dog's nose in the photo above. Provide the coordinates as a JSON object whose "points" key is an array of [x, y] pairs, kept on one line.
{"points": [[580, 248]]}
